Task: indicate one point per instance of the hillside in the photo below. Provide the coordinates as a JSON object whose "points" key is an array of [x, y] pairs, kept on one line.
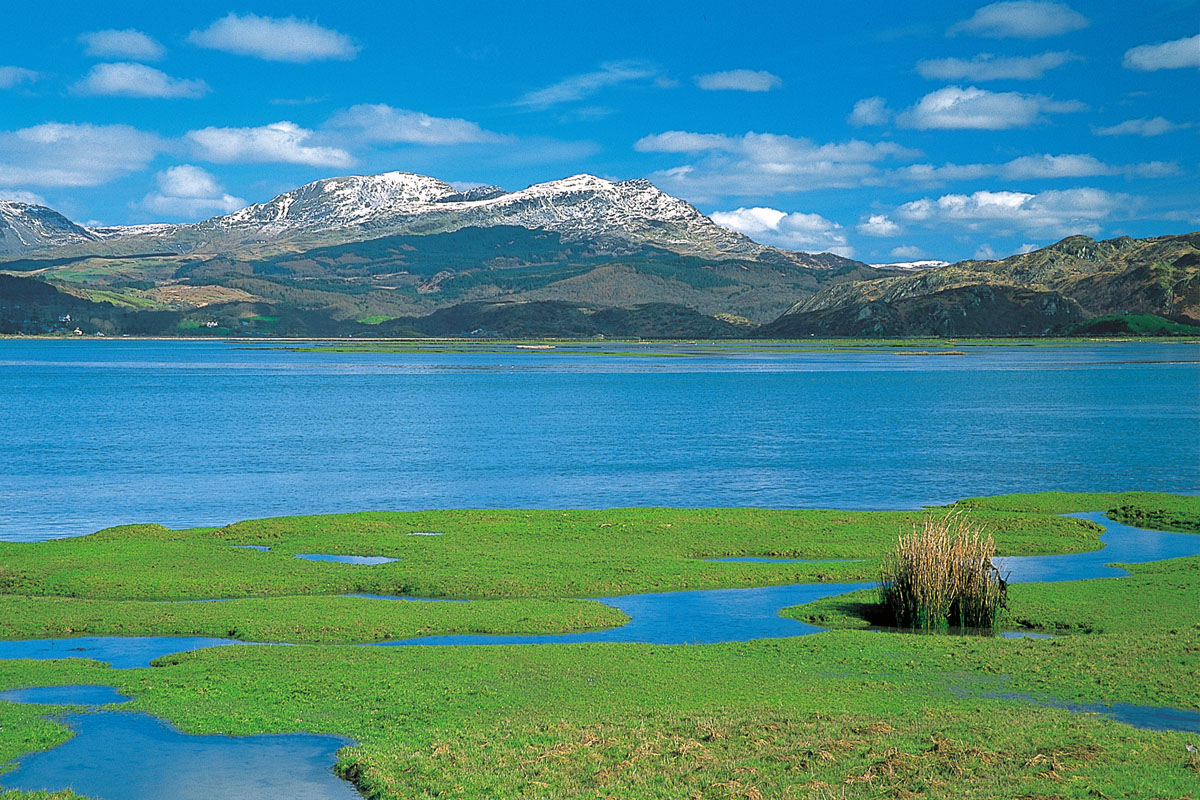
{"points": [[365, 255], [1042, 292], [400, 245]]}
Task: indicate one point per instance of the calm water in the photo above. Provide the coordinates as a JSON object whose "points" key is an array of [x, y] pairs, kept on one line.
{"points": [[129, 756], [101, 433]]}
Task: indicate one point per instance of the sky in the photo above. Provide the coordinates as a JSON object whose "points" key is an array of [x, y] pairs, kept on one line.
{"points": [[883, 131]]}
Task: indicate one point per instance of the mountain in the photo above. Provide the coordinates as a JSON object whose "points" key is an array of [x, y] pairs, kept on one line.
{"points": [[25, 227], [610, 216], [385, 254], [400, 245], [912, 265], [1047, 290]]}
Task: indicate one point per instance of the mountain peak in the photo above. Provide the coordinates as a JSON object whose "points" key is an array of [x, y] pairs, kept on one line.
{"points": [[24, 226]]}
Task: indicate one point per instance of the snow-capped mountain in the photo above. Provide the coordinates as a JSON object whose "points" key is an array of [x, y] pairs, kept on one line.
{"points": [[25, 227], [581, 208], [928, 263], [611, 217]]}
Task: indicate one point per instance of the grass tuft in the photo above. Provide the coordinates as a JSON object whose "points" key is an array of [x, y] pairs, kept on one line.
{"points": [[942, 575]]}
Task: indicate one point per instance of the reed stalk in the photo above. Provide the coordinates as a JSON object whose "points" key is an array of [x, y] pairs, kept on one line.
{"points": [[941, 575]]}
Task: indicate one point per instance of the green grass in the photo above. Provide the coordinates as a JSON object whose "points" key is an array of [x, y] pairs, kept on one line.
{"points": [[845, 714], [493, 554], [1134, 325], [297, 619]]}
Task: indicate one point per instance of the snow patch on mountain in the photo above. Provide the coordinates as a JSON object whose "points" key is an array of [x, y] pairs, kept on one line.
{"points": [[25, 227]]}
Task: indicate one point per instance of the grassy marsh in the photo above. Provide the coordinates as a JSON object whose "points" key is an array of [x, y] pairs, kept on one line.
{"points": [[845, 714]]}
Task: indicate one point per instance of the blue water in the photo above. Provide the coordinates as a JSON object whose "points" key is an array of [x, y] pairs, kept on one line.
{"points": [[1122, 544], [101, 433], [66, 695], [1154, 718], [365, 560], [122, 652], [130, 756]]}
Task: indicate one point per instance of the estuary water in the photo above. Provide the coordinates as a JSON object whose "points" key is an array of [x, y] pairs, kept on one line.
{"points": [[107, 432]]}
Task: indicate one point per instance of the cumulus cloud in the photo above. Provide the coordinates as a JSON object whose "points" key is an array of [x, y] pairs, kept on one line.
{"points": [[1155, 126], [739, 80], [1178, 54], [283, 142], [760, 164], [1021, 19], [59, 154], [191, 192], [275, 39], [879, 225], [870, 111], [987, 67], [970, 108], [22, 196], [11, 76], [126, 79], [795, 231], [907, 251], [384, 124], [128, 43], [1057, 212], [577, 87]]}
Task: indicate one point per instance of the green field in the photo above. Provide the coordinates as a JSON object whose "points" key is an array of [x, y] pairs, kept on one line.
{"points": [[845, 714]]}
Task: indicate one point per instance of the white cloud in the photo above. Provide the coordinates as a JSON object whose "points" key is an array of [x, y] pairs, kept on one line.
{"points": [[128, 43], [11, 76], [987, 67], [1178, 54], [879, 225], [1059, 212], [382, 123], [1028, 247], [985, 252], [278, 142], [907, 251], [1021, 19], [275, 39], [577, 87], [796, 231], [58, 154], [191, 192], [956, 108], [22, 196], [760, 164], [1155, 126], [1042, 166], [870, 111], [126, 79], [739, 80]]}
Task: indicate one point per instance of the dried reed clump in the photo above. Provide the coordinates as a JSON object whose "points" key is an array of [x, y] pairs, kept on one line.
{"points": [[941, 575]]}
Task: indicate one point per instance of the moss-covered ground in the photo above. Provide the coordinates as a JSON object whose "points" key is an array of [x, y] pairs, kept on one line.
{"points": [[844, 714]]}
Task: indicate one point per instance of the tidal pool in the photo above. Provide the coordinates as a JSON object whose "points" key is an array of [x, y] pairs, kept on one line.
{"points": [[1154, 718], [345, 559], [122, 652], [121, 755], [1123, 544], [77, 695]]}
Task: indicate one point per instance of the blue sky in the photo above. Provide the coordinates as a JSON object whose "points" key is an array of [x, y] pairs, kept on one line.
{"points": [[886, 131]]}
